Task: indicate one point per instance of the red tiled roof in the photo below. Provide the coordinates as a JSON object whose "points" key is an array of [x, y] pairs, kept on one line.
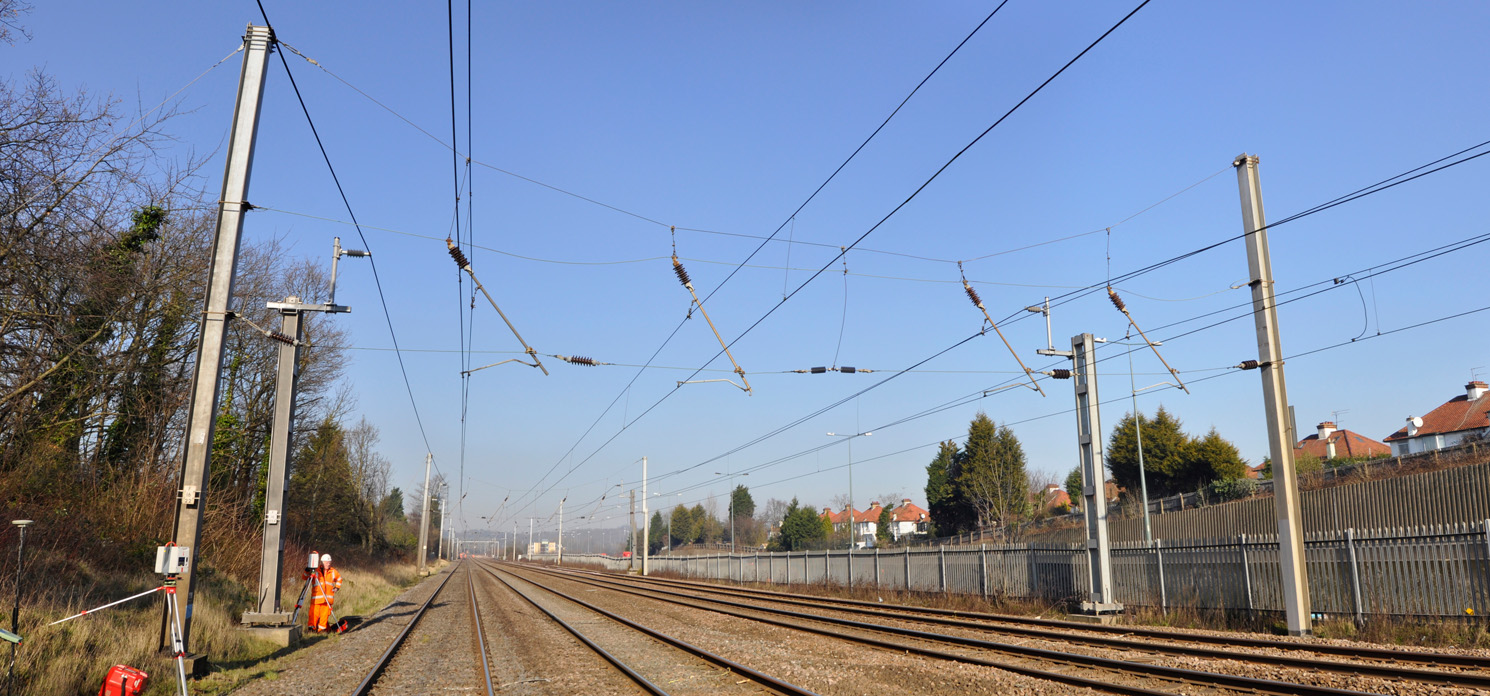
{"points": [[1053, 497], [1459, 413], [870, 515], [1347, 444], [835, 517], [908, 511]]}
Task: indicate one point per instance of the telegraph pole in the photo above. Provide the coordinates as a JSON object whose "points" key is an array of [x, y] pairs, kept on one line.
{"points": [[443, 503], [266, 611], [291, 338], [1101, 599], [1275, 399], [646, 520], [258, 42], [424, 516], [633, 530], [560, 547]]}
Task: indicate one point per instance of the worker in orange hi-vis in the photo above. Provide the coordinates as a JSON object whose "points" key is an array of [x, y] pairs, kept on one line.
{"points": [[325, 582]]}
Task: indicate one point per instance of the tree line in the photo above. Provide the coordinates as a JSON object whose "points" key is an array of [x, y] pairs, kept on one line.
{"points": [[984, 482], [105, 246]]}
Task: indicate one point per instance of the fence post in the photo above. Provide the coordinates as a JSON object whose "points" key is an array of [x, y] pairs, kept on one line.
{"points": [[1355, 577], [983, 573], [1163, 591], [788, 568], [851, 560], [908, 568], [876, 567], [1487, 547], [828, 567], [771, 572], [942, 565], [1034, 572], [1246, 572]]}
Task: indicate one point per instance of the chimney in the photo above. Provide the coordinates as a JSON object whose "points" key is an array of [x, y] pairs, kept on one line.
{"points": [[1475, 389], [1330, 450], [1325, 429], [1412, 425], [905, 501]]}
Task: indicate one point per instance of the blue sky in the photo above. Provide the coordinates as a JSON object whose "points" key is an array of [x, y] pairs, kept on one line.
{"points": [[726, 117]]}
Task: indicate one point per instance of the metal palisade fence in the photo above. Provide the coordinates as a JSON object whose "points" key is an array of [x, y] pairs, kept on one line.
{"points": [[1440, 571], [1441, 497]]}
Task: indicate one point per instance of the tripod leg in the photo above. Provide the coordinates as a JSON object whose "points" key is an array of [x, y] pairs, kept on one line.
{"points": [[299, 601], [177, 646]]}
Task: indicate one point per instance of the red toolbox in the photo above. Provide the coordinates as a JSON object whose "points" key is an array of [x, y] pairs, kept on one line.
{"points": [[123, 680]]}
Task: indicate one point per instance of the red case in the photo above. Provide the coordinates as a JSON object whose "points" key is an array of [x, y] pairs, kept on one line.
{"points": [[123, 680]]}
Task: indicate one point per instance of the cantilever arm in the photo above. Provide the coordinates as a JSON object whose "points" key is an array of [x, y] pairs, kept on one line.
{"points": [[465, 265]]}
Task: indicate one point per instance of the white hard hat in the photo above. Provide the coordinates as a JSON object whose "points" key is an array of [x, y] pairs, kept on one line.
{"points": [[325, 558]]}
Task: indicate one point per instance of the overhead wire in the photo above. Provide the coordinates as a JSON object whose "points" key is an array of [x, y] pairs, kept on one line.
{"points": [[752, 254], [372, 259], [1067, 411], [844, 250], [1396, 264]]}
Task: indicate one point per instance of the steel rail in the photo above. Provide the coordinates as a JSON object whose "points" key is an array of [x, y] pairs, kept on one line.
{"points": [[372, 676], [1464, 679], [757, 676], [903, 648], [1177, 674], [480, 634], [1384, 654], [643, 682]]}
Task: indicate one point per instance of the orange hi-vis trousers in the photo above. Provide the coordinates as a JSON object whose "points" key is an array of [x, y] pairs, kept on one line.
{"points": [[324, 585]]}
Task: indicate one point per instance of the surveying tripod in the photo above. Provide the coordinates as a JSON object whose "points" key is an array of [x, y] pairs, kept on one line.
{"points": [[178, 644]]}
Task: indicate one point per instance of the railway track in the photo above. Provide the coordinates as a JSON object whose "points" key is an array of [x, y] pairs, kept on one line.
{"points": [[1468, 671], [771, 684], [1065, 667], [374, 679]]}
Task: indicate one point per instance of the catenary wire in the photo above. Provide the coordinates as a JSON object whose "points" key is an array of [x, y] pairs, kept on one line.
{"points": [[1402, 262], [844, 250], [752, 254], [372, 260]]}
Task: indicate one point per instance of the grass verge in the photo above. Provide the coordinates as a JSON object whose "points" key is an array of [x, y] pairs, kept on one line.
{"points": [[72, 658]]}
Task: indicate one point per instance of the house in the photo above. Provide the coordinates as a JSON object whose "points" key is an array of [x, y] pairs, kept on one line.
{"points": [[865, 521], [838, 520], [1331, 442], [1051, 497], [1463, 417], [907, 518]]}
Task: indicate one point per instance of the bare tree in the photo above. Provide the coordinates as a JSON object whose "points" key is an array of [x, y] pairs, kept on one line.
{"points": [[10, 20]]}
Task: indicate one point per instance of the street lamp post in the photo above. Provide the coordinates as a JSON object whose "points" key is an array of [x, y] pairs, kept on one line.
{"points": [[850, 481], [15, 612], [1143, 479], [731, 508]]}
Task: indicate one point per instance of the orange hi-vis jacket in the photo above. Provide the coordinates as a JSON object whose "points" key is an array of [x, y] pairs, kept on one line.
{"points": [[329, 583]]}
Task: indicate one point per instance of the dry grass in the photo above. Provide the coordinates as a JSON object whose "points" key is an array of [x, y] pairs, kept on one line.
{"points": [[364, 591], [73, 658]]}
